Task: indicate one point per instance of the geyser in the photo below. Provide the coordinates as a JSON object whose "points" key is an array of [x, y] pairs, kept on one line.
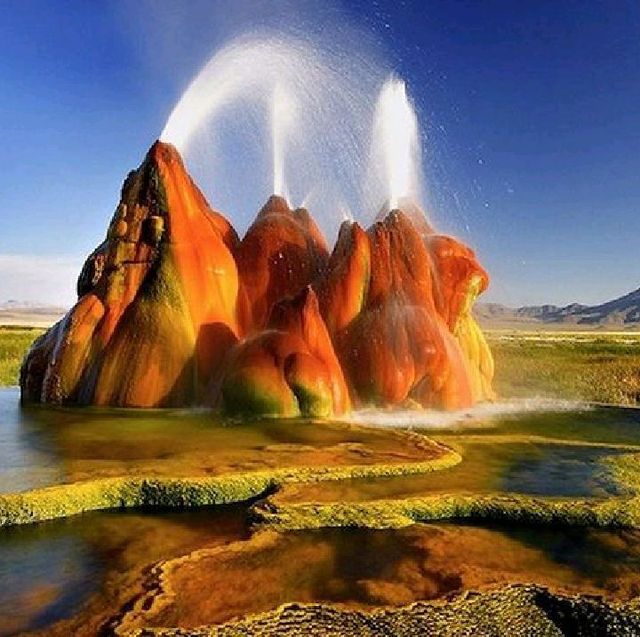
{"points": [[282, 112], [292, 114], [396, 147], [174, 309]]}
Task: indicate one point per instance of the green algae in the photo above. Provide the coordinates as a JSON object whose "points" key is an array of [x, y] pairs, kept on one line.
{"points": [[69, 499], [312, 401], [112, 493], [513, 610], [242, 395], [124, 492], [379, 514], [624, 469]]}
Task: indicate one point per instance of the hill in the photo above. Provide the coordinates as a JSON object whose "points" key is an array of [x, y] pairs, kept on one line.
{"points": [[620, 313], [29, 314]]}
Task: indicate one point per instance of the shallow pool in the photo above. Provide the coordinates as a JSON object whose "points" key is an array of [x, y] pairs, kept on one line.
{"points": [[84, 574]]}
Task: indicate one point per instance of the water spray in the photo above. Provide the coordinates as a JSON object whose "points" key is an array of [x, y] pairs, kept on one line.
{"points": [[318, 103], [396, 143], [282, 109]]}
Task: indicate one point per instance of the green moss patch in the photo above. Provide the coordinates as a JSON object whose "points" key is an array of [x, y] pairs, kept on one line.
{"points": [[379, 514], [624, 470], [109, 493]]}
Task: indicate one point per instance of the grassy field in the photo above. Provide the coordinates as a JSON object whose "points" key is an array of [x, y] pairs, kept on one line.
{"points": [[592, 366], [14, 342]]}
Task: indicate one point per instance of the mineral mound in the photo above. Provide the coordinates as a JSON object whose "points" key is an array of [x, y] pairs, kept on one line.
{"points": [[175, 310]]}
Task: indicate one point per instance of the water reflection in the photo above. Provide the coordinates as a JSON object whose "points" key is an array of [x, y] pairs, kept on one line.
{"points": [[27, 453], [49, 571], [43, 576], [53, 445], [527, 468], [69, 576], [558, 470]]}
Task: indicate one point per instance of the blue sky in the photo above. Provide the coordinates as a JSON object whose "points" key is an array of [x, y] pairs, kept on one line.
{"points": [[530, 113]]}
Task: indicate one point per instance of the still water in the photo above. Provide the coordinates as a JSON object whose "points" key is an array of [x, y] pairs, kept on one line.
{"points": [[74, 576]]}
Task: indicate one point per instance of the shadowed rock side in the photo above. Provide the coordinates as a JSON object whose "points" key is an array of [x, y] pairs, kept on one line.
{"points": [[397, 303], [174, 310], [157, 306]]}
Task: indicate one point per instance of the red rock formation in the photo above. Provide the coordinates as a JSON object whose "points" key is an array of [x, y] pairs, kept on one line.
{"points": [[174, 310], [343, 292], [460, 281], [282, 252], [157, 307], [290, 368], [391, 320]]}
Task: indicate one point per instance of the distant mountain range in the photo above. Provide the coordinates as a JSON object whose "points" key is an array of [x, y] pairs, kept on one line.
{"points": [[30, 306], [29, 313], [620, 313]]}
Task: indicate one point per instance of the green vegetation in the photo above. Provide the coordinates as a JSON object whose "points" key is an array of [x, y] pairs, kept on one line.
{"points": [[14, 343], [129, 491], [590, 366], [625, 471], [383, 514]]}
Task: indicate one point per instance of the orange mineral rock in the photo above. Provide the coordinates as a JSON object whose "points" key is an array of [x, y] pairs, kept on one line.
{"points": [[386, 312], [174, 310], [288, 369], [282, 252], [157, 307], [460, 281]]}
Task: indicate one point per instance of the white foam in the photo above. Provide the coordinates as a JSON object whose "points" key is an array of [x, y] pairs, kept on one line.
{"points": [[480, 415]]}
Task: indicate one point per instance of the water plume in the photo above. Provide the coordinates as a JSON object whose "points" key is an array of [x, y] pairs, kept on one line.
{"points": [[283, 108], [175, 310], [395, 151], [310, 102], [481, 415]]}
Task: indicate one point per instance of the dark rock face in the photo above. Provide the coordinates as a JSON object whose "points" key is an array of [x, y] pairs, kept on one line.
{"points": [[175, 310]]}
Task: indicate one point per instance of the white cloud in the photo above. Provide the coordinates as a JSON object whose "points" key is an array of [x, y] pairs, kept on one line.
{"points": [[50, 280]]}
